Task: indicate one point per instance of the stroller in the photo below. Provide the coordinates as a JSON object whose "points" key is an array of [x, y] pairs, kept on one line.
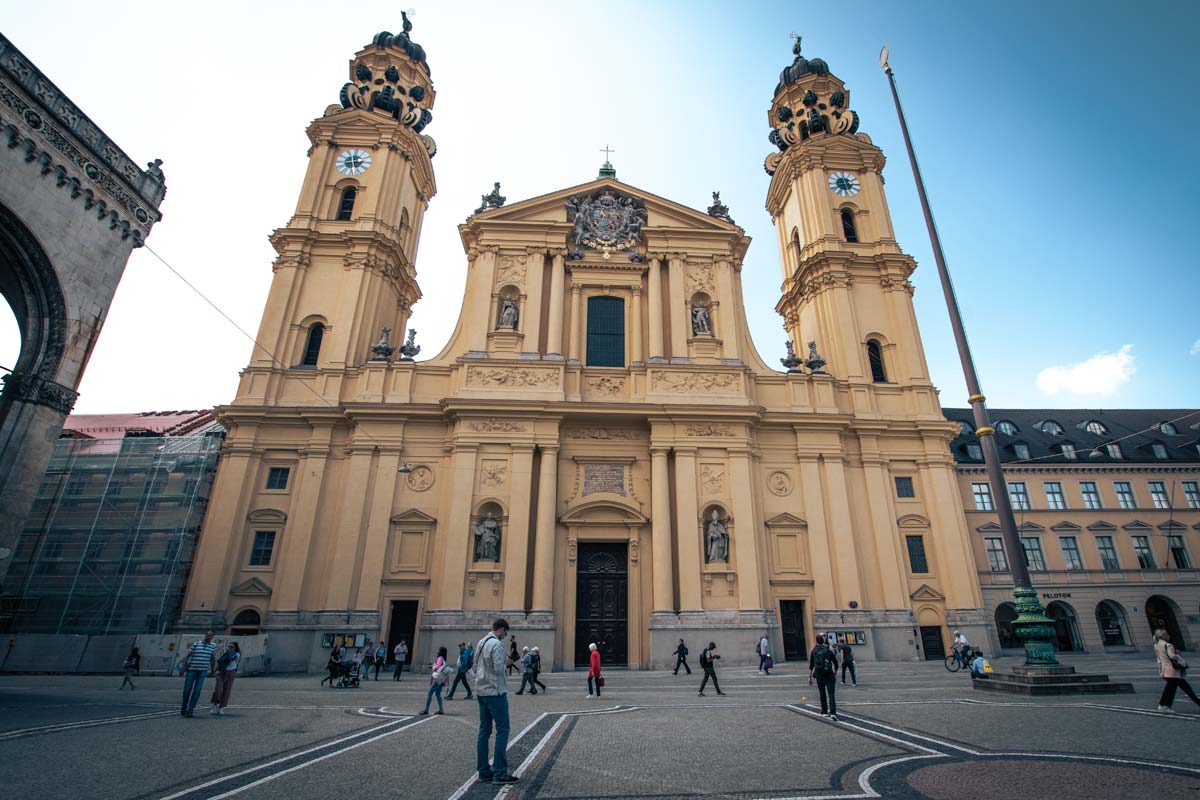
{"points": [[348, 675]]}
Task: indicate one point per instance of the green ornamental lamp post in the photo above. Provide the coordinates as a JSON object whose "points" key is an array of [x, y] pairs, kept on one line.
{"points": [[1032, 626]]}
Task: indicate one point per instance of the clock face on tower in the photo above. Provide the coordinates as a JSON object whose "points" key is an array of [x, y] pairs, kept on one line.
{"points": [[354, 162], [844, 184]]}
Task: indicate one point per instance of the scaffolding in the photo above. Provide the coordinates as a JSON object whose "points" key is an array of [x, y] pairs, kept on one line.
{"points": [[110, 541]]}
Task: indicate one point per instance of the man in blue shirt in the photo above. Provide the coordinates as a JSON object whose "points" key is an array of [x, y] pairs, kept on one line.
{"points": [[977, 666], [201, 662], [466, 660]]}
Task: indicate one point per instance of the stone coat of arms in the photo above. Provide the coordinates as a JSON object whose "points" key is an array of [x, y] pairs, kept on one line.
{"points": [[606, 221]]}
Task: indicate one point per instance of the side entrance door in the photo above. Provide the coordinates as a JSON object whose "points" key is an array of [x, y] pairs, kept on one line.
{"points": [[403, 626], [791, 618], [932, 644], [601, 603]]}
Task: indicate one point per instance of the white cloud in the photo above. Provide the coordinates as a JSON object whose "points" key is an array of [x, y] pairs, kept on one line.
{"points": [[1195, 351], [1102, 374]]}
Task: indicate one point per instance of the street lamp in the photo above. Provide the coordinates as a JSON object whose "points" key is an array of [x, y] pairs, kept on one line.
{"points": [[1031, 625]]}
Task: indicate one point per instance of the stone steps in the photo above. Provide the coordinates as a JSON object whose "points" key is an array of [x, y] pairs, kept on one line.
{"points": [[1060, 680]]}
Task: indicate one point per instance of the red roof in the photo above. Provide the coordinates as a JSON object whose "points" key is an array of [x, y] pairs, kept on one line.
{"points": [[116, 426]]}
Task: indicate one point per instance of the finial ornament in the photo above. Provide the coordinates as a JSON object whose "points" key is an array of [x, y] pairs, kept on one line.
{"points": [[719, 209], [491, 200], [382, 350], [795, 43], [792, 361], [410, 348], [814, 362]]}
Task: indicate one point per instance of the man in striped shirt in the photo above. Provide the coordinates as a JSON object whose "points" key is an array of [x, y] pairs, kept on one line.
{"points": [[201, 662]]}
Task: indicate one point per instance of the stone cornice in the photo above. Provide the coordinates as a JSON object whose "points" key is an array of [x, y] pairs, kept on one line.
{"points": [[1083, 469]]}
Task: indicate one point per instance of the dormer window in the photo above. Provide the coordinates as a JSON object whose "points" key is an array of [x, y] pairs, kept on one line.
{"points": [[1006, 427], [1114, 450], [1068, 451], [1051, 428], [1021, 451], [1160, 451], [1092, 426], [975, 452], [967, 429], [1167, 429]]}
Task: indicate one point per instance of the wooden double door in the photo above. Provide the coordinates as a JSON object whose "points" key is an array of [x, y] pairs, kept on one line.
{"points": [[602, 603]]}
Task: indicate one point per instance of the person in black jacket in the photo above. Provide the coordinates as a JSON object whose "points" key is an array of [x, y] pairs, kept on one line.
{"points": [[823, 666], [681, 652], [708, 657], [847, 653]]}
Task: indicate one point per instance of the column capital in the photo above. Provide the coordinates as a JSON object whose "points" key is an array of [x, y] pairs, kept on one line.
{"points": [[576, 288], [549, 448], [535, 251], [688, 452], [488, 248], [636, 290], [557, 252], [659, 452]]}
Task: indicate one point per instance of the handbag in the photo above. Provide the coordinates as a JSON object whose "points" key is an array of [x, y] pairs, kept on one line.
{"points": [[770, 662], [600, 681]]}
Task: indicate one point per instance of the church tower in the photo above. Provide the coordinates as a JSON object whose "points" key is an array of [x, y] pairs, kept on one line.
{"points": [[845, 280], [358, 219]]}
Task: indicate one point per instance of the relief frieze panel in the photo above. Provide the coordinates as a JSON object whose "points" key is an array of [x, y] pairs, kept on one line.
{"points": [[513, 377], [695, 382]]}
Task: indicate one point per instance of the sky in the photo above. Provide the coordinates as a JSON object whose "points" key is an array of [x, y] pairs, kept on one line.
{"points": [[1056, 142]]}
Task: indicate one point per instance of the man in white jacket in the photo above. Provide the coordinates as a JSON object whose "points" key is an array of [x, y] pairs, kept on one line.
{"points": [[491, 690]]}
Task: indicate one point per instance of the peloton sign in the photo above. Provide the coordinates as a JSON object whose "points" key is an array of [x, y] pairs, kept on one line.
{"points": [[1056, 595]]}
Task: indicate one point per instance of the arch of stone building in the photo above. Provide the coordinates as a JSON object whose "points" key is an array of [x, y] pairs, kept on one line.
{"points": [[1171, 619], [929, 615], [1120, 616], [233, 621], [886, 353], [31, 286], [303, 330], [856, 216], [1004, 615], [1071, 618]]}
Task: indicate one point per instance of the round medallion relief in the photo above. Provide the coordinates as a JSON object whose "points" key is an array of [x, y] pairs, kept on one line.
{"points": [[780, 484], [420, 479]]}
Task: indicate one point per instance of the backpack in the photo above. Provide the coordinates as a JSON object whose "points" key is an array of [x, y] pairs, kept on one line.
{"points": [[825, 663], [705, 660]]}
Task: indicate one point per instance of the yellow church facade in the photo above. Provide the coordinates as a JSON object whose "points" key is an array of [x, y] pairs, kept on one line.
{"points": [[599, 453]]}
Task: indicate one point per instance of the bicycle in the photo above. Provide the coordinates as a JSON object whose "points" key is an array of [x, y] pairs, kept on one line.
{"points": [[960, 659]]}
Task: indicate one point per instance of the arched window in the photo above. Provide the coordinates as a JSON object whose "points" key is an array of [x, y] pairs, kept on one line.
{"points": [[848, 228], [346, 206], [1092, 426], [1167, 429], [405, 232], [246, 623], [796, 244], [1006, 613], [1006, 427], [1111, 620], [875, 356], [605, 332], [312, 349], [1051, 428]]}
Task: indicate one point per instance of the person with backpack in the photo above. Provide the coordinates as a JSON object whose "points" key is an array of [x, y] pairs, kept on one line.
{"points": [[491, 690], [594, 671], [680, 654], [227, 667], [537, 667], [763, 648], [380, 657], [526, 672], [465, 662], [823, 666], [847, 653], [437, 681], [708, 658], [514, 657]]}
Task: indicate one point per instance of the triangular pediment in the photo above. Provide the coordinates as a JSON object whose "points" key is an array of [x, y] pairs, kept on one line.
{"points": [[1030, 527], [926, 592], [1136, 525], [552, 208], [1101, 525], [1065, 526], [412, 515], [989, 527], [785, 520], [1172, 525], [595, 512], [251, 588]]}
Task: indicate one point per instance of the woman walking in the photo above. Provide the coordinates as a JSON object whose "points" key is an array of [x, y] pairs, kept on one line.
{"points": [[437, 680], [1173, 670], [537, 668], [133, 664], [227, 667], [594, 671], [333, 665]]}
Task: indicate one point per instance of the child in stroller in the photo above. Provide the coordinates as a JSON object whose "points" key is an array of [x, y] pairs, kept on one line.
{"points": [[348, 674]]}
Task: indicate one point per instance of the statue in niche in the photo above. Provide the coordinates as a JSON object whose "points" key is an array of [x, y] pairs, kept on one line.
{"points": [[508, 315], [701, 325], [716, 539], [487, 539]]}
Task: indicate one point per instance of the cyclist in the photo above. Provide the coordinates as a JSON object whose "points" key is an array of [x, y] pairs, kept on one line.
{"points": [[962, 649]]}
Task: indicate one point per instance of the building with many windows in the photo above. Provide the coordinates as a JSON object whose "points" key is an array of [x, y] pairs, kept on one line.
{"points": [[109, 544], [1108, 507]]}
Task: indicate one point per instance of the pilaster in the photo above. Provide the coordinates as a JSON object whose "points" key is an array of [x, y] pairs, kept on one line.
{"points": [[687, 522], [543, 559], [660, 532], [554, 323], [516, 550]]}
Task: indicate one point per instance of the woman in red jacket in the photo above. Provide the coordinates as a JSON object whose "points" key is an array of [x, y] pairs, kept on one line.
{"points": [[593, 671]]}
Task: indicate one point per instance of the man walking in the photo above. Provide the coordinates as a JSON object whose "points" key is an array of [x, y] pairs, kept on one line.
{"points": [[368, 660], [763, 648], [537, 667], [465, 662], [847, 653], [401, 653], [526, 671], [708, 657], [380, 657], [201, 662], [681, 652], [823, 665], [491, 690]]}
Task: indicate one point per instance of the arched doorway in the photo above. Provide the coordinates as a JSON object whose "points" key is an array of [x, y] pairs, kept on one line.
{"points": [[1110, 618], [246, 623], [1005, 614], [1160, 613], [1066, 629]]}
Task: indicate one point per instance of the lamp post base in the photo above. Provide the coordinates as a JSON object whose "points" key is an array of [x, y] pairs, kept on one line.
{"points": [[1034, 628]]}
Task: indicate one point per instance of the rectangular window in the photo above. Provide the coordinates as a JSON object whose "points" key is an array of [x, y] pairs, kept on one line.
{"points": [[1125, 498], [1018, 495], [260, 553], [1114, 451], [916, 554], [997, 561], [1179, 553], [1068, 451], [1108, 552], [1191, 493], [904, 487], [1091, 496], [1034, 559], [606, 332], [1070, 551], [983, 496], [1021, 451], [1160, 451], [1054, 495], [277, 478], [1158, 493], [975, 452], [1141, 546]]}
